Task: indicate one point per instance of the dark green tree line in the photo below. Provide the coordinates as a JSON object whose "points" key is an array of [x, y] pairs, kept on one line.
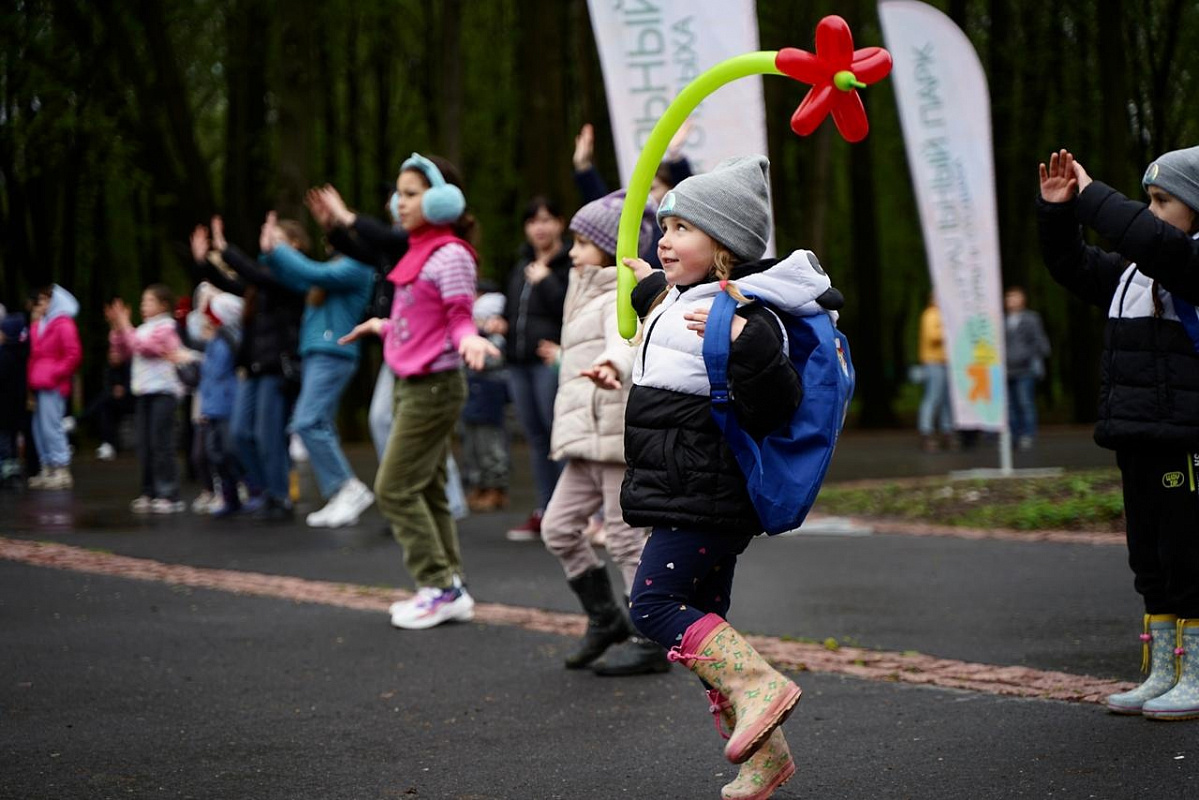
{"points": [[124, 124]]}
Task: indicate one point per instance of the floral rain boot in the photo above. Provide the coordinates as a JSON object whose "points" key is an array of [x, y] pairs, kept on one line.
{"points": [[1181, 702], [1157, 659], [762, 697], [766, 770]]}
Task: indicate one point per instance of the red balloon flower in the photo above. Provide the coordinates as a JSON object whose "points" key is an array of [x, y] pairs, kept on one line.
{"points": [[836, 72]]}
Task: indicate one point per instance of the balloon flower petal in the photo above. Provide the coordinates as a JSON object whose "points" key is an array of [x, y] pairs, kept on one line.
{"points": [[835, 72]]}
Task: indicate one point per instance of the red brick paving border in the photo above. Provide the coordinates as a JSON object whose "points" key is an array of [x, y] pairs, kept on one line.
{"points": [[857, 662]]}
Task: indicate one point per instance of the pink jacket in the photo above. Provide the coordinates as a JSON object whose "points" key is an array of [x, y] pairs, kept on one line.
{"points": [[432, 315], [149, 345], [54, 349]]}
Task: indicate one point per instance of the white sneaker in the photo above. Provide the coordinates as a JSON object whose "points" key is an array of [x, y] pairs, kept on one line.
{"points": [[431, 607], [203, 503], [58, 478], [164, 506], [141, 505], [296, 449], [38, 481], [347, 506], [106, 452], [319, 519]]}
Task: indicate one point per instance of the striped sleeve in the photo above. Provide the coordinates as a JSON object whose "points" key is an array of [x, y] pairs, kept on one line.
{"points": [[452, 270]]}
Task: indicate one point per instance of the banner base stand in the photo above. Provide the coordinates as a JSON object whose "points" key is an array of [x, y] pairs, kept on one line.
{"points": [[989, 473]]}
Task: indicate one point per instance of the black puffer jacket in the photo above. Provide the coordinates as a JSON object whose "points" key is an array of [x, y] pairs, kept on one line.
{"points": [[271, 339], [681, 473], [1149, 383], [378, 244], [534, 312]]}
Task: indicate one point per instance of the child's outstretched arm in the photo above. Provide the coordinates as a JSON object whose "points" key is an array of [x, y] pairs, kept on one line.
{"points": [[1088, 272], [1160, 250]]}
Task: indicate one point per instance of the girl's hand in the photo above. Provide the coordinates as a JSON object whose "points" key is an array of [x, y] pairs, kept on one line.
{"points": [[603, 375], [267, 235], [549, 352], [584, 148], [369, 328], [218, 234], [117, 314], [641, 268], [318, 208], [475, 350], [536, 272], [200, 243], [338, 211], [1059, 182], [698, 321]]}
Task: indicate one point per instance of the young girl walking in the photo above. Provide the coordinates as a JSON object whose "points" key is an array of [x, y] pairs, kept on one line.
{"points": [[153, 346], [595, 365], [682, 479], [1148, 412], [426, 340]]}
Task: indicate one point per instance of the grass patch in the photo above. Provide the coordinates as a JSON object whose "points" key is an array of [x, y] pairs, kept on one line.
{"points": [[1079, 501]]}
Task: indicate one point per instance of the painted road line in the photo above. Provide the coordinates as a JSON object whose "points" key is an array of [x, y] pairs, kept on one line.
{"points": [[915, 668]]}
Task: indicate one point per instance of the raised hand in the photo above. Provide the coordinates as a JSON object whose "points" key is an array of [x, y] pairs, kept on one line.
{"points": [[584, 148], [1059, 181], [266, 234], [318, 208], [339, 212], [200, 243], [218, 234], [674, 151]]}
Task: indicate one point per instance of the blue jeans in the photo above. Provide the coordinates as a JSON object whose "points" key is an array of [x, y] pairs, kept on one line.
{"points": [[325, 378], [534, 387], [48, 435], [934, 406], [683, 576], [1022, 405], [260, 430]]}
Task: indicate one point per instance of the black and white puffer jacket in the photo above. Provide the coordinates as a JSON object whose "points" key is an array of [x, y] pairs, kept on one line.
{"points": [[680, 472], [1149, 381]]}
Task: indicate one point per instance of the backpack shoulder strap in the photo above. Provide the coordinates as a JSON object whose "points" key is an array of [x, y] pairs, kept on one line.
{"points": [[716, 347]]}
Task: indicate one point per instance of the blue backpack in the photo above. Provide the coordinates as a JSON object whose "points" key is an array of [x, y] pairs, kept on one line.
{"points": [[784, 470]]}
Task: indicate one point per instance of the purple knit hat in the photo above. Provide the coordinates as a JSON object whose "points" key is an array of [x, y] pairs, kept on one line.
{"points": [[599, 221]]}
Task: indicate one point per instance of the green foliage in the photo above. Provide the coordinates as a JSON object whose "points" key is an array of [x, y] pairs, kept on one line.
{"points": [[124, 124], [1091, 501]]}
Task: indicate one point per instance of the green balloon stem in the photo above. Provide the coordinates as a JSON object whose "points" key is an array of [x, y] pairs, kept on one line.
{"points": [[846, 80], [760, 63]]}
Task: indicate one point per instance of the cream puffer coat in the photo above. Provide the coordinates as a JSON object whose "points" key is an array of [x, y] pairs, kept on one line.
{"points": [[588, 420]]}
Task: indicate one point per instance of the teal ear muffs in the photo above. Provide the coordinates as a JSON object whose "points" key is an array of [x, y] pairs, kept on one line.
{"points": [[442, 203]]}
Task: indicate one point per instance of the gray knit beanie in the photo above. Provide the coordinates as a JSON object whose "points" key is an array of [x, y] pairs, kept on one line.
{"points": [[731, 204], [1178, 173], [599, 221]]}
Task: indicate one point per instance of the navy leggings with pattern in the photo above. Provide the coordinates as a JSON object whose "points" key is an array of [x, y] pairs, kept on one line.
{"points": [[683, 575]]}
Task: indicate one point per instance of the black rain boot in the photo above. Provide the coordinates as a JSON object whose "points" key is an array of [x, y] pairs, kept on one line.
{"points": [[637, 656], [607, 623]]}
